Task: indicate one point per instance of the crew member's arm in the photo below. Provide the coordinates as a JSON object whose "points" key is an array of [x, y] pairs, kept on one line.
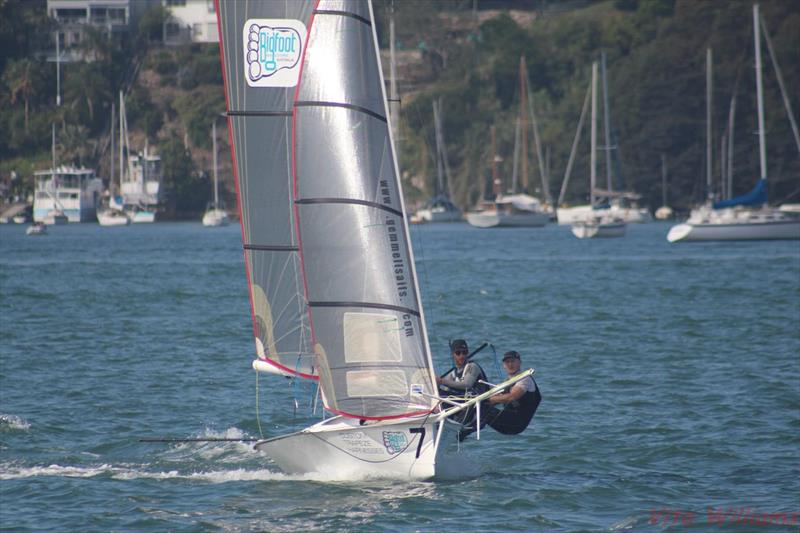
{"points": [[517, 391], [470, 376]]}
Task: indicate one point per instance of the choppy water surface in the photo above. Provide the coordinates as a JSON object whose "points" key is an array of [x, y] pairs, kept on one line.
{"points": [[670, 377]]}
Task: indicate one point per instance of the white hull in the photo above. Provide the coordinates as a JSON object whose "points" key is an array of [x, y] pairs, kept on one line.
{"points": [[435, 215], [570, 215], [786, 229], [36, 229], [215, 218], [341, 449], [598, 230], [494, 219], [143, 217], [111, 217]]}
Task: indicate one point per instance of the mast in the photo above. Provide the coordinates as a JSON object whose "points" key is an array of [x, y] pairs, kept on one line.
{"points": [[593, 157], [709, 81], [575, 141], [786, 102], [729, 166], [762, 142], [113, 148], [121, 143], [214, 157], [394, 100], [663, 179], [53, 148], [606, 123], [495, 159], [523, 113], [544, 170], [514, 173]]}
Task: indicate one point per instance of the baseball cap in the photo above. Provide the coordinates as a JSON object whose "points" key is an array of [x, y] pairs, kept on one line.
{"points": [[511, 355], [458, 344]]}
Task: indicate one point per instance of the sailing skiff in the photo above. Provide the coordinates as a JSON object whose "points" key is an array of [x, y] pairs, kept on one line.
{"points": [[333, 287]]}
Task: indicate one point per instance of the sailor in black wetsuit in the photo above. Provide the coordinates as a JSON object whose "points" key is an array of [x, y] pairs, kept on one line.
{"points": [[521, 401]]}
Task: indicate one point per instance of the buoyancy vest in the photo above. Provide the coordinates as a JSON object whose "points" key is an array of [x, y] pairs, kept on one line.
{"points": [[516, 415], [476, 388]]}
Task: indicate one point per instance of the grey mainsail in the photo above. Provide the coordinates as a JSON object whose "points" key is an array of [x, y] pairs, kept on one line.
{"points": [[332, 283]]}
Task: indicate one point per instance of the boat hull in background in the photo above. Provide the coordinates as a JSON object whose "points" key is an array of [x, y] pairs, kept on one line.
{"points": [[778, 230], [598, 230], [492, 219]]}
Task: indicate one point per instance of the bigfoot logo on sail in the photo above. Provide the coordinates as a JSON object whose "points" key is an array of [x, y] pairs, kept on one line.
{"points": [[272, 51]]}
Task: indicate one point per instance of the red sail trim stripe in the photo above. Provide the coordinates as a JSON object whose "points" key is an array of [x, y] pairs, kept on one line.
{"points": [[238, 192], [289, 370], [410, 414], [294, 173]]}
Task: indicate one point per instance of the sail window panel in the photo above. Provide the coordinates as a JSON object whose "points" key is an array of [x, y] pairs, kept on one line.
{"points": [[334, 368], [263, 170], [376, 384], [349, 149], [330, 74], [371, 338], [233, 15], [356, 253], [356, 7], [281, 324]]}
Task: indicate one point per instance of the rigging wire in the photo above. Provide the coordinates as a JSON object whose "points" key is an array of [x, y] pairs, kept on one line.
{"points": [[258, 416]]}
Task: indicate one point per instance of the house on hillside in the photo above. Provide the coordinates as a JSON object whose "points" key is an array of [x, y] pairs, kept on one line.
{"points": [[111, 17], [190, 21]]}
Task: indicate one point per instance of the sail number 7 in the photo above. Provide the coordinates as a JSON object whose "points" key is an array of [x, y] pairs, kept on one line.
{"points": [[421, 431]]}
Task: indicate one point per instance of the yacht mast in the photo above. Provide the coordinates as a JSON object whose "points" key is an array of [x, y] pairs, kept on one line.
{"points": [[709, 81], [593, 157], [606, 123], [214, 156], [762, 142]]}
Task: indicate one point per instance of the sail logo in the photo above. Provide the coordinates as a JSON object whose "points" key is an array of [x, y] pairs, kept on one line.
{"points": [[394, 441], [273, 49]]}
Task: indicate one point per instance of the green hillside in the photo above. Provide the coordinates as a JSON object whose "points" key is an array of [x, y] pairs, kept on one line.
{"points": [[468, 57]]}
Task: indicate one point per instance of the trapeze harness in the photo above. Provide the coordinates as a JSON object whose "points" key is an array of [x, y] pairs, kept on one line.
{"points": [[516, 415], [467, 416]]}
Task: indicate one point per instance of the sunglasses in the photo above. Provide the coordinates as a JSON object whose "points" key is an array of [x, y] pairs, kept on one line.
{"points": [[460, 352]]}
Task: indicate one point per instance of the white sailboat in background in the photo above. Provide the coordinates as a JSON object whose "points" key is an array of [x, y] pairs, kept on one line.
{"points": [[665, 211], [331, 274], [140, 176], [214, 216], [515, 209], [440, 208], [108, 215], [746, 217], [596, 222], [617, 204]]}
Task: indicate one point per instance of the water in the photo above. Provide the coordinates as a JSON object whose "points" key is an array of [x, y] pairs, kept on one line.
{"points": [[669, 373]]}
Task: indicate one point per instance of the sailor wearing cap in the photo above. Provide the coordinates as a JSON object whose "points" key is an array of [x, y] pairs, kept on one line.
{"points": [[466, 376], [521, 400]]}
